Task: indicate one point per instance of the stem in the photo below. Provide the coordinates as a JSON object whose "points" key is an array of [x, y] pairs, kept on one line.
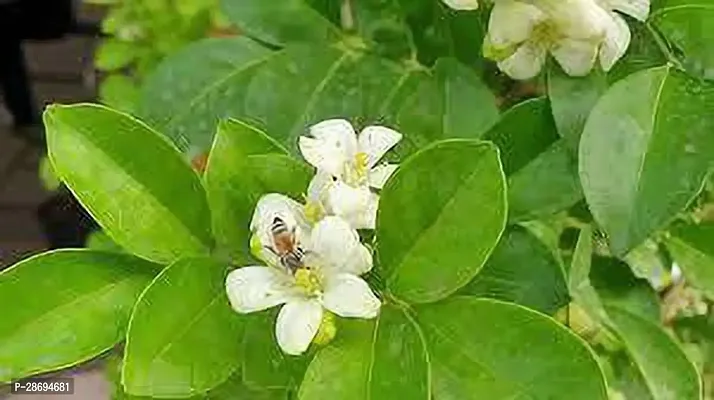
{"points": [[664, 47]]}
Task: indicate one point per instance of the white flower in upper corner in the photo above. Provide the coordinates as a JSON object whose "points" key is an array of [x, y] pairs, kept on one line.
{"points": [[462, 5], [522, 33], [617, 32], [347, 167], [323, 276]]}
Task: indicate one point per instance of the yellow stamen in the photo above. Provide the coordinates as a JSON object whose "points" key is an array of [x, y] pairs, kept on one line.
{"points": [[327, 330], [361, 161], [308, 280], [314, 212]]}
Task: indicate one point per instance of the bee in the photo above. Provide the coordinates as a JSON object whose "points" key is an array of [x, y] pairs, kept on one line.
{"points": [[285, 246]]}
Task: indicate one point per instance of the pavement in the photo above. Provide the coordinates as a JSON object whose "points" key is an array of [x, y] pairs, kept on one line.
{"points": [[62, 73]]}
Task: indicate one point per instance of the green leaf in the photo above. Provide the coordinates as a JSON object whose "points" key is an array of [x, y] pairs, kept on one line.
{"points": [[572, 99], [488, 349], [243, 165], [435, 230], [280, 23], [132, 181], [542, 177], [100, 241], [184, 339], [385, 359], [546, 185], [265, 365], [645, 153], [692, 247], [581, 289], [451, 103], [666, 371], [180, 83], [114, 54], [687, 28], [643, 53], [65, 307], [618, 287], [285, 93], [521, 270]]}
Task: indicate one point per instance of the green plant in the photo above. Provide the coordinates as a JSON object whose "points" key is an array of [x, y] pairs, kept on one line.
{"points": [[497, 251]]}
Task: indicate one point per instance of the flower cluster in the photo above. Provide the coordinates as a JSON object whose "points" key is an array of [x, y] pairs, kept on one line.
{"points": [[521, 33], [312, 253]]}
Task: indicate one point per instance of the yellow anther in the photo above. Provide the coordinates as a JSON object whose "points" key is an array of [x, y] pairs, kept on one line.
{"points": [[327, 330], [307, 280], [361, 162], [314, 212]]}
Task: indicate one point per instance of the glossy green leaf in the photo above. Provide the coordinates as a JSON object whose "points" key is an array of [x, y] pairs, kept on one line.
{"points": [[180, 83], [243, 165], [645, 153], [382, 359], [280, 23], [546, 185], [521, 270], [451, 103], [65, 307], [692, 247], [481, 348], [435, 230], [666, 371], [542, 175], [292, 89], [124, 185], [688, 28], [184, 339], [100, 241], [265, 365], [572, 99]]}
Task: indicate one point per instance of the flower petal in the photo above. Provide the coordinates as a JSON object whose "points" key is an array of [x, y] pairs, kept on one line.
{"points": [[274, 205], [339, 247], [379, 175], [297, 325], [576, 19], [333, 143], [356, 205], [617, 40], [512, 23], [349, 296], [256, 288], [318, 188], [525, 63], [464, 5], [576, 57], [375, 141]]}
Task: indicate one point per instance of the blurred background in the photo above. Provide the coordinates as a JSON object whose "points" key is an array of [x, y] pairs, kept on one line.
{"points": [[64, 51]]}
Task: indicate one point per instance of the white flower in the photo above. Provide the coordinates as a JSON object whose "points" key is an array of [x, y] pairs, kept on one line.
{"points": [[617, 32], [347, 167], [334, 259], [462, 4], [521, 34]]}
